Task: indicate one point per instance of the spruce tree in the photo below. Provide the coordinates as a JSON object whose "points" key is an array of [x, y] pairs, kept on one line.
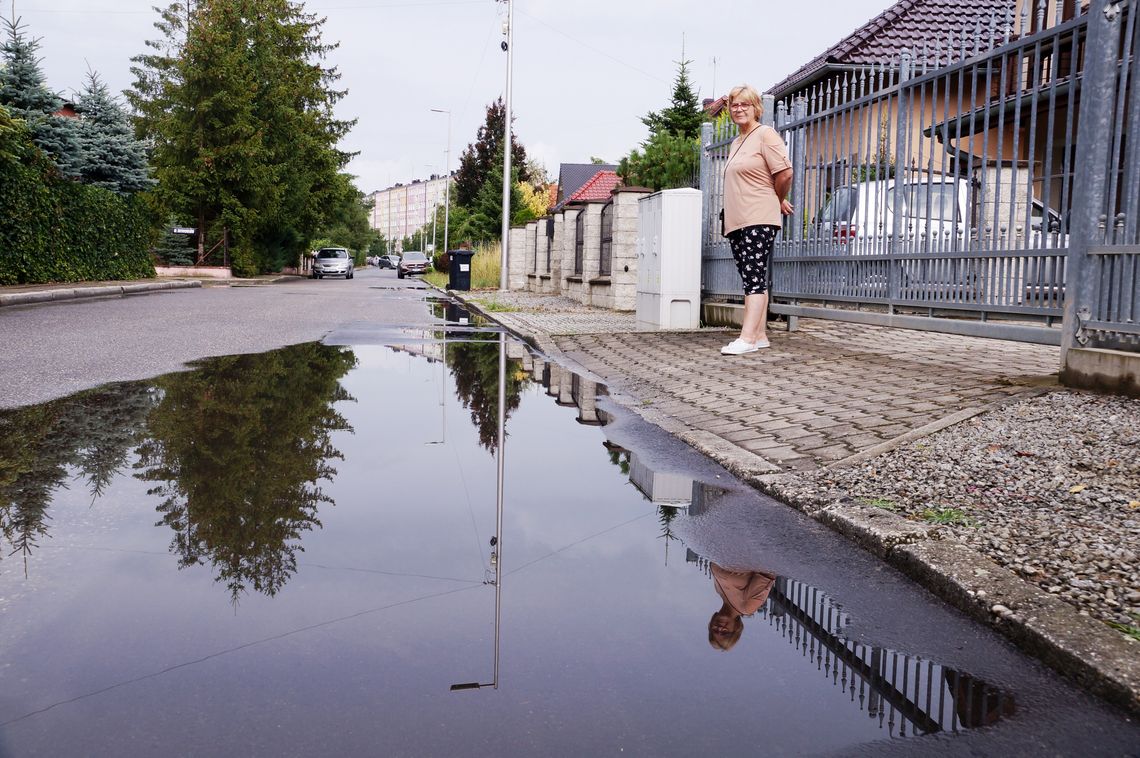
{"points": [[240, 112], [23, 91], [111, 156], [684, 115]]}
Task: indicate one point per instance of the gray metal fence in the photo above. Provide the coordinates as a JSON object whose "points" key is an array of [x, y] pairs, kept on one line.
{"points": [[1105, 255], [941, 190]]}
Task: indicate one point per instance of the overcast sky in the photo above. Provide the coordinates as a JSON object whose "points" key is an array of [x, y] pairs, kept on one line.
{"points": [[585, 71]]}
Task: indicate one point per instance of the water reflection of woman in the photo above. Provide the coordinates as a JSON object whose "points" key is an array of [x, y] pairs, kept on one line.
{"points": [[742, 593]]}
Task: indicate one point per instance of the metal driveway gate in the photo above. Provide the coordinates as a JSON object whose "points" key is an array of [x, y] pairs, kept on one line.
{"points": [[941, 191]]}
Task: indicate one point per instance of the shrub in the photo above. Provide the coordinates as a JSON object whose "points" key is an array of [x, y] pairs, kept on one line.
{"points": [[56, 230]]}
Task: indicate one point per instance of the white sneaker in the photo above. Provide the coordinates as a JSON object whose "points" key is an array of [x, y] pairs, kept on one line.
{"points": [[740, 347]]}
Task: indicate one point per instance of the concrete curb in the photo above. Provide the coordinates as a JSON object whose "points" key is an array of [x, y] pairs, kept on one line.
{"points": [[1042, 625], [34, 297]]}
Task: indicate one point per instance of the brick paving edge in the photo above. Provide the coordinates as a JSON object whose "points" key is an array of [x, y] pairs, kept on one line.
{"points": [[1081, 648]]}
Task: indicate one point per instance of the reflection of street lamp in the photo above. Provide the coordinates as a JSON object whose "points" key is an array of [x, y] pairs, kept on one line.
{"points": [[497, 540], [447, 178]]}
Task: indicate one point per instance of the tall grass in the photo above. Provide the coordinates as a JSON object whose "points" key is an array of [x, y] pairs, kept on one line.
{"points": [[485, 268]]}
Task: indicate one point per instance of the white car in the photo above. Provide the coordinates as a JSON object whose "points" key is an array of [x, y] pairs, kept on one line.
{"points": [[332, 261], [862, 215]]}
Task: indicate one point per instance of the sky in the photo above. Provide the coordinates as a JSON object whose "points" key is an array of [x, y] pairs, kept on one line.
{"points": [[584, 71]]}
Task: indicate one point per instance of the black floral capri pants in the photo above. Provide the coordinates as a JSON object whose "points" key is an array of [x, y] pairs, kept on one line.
{"points": [[752, 249]]}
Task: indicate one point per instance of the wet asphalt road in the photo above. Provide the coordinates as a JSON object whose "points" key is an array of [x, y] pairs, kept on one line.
{"points": [[56, 349]]}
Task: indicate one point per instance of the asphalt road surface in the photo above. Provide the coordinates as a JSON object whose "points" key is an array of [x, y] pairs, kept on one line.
{"points": [[56, 349]]}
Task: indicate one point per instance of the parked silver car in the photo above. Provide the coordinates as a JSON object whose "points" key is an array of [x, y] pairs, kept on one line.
{"points": [[333, 261]]}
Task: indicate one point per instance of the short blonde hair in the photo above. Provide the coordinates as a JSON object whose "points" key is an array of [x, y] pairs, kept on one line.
{"points": [[745, 93]]}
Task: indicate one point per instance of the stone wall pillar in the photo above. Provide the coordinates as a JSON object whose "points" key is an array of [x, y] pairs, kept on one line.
{"points": [[516, 258], [565, 255], [591, 252], [623, 258], [531, 275], [553, 283]]}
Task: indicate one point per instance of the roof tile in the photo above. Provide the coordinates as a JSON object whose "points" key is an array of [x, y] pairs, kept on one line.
{"points": [[906, 25], [600, 186]]}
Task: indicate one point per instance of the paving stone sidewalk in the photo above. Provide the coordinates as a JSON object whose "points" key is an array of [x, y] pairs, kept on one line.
{"points": [[816, 417], [818, 395]]}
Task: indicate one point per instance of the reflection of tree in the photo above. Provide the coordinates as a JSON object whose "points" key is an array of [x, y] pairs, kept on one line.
{"points": [[91, 432], [665, 516], [475, 368], [239, 446]]}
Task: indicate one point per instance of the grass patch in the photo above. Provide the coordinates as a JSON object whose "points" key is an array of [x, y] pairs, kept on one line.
{"points": [[946, 517], [492, 307], [1129, 630], [880, 502], [484, 269]]}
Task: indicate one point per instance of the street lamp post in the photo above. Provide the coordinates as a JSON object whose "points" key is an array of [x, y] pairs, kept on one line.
{"points": [[509, 47], [447, 176]]}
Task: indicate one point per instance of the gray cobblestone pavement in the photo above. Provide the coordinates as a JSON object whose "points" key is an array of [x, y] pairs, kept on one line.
{"points": [[959, 460]]}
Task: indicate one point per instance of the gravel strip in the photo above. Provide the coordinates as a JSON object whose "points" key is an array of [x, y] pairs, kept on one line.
{"points": [[1048, 487]]}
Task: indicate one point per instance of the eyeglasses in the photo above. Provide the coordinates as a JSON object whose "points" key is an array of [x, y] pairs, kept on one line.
{"points": [[740, 106]]}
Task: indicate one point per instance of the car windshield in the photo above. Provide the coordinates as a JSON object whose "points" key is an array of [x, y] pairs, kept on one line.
{"points": [[415, 257], [942, 199], [333, 254], [841, 206]]}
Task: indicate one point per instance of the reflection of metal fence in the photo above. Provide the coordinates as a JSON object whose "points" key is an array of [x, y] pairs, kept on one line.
{"points": [[907, 694], [947, 185]]}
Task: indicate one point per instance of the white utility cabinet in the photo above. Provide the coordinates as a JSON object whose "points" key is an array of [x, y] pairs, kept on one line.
{"points": [[661, 488], [669, 260]]}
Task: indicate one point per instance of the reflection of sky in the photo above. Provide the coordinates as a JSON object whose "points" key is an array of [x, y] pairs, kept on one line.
{"points": [[604, 643]]}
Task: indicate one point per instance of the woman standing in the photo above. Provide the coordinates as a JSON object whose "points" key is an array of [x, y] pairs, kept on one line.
{"points": [[757, 178]]}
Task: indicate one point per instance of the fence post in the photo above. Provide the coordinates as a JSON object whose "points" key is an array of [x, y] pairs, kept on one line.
{"points": [[769, 115], [708, 195], [901, 140], [799, 168], [1096, 113]]}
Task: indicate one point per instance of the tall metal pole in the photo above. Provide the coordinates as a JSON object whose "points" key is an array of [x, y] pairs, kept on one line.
{"points": [[447, 186], [510, 48]]}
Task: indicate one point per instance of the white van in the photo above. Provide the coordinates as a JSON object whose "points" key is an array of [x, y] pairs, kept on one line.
{"points": [[862, 214]]}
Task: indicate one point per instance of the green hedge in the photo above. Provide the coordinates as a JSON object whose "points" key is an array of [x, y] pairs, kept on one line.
{"points": [[55, 230]]}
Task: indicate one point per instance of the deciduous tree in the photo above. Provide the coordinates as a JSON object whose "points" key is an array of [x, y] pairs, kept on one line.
{"points": [[480, 157]]}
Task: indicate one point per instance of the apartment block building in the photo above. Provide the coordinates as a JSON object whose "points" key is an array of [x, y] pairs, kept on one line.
{"points": [[400, 210]]}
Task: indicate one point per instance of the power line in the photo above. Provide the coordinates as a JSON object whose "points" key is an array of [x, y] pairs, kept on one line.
{"points": [[597, 50]]}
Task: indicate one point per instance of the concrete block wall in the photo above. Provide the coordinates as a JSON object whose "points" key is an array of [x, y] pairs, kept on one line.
{"points": [[565, 252], [516, 258], [595, 289], [623, 255], [553, 283], [578, 286], [533, 265]]}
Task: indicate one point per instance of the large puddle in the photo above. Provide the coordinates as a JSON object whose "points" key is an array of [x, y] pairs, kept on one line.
{"points": [[297, 553]]}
